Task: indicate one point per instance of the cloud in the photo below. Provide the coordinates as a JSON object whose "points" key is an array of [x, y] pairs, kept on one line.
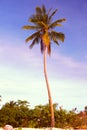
{"points": [[19, 55], [21, 76], [58, 65], [67, 67]]}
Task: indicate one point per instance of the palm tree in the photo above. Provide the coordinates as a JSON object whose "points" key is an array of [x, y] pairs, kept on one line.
{"points": [[44, 34]]}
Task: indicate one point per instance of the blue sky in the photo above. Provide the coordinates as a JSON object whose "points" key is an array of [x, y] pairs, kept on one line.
{"points": [[21, 69]]}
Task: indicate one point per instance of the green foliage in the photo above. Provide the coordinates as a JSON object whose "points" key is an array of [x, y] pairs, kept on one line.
{"points": [[18, 114], [14, 113]]}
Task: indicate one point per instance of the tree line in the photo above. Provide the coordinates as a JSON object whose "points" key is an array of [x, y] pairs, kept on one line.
{"points": [[19, 114]]}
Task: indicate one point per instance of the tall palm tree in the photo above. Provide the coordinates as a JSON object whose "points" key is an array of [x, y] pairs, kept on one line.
{"points": [[44, 34]]}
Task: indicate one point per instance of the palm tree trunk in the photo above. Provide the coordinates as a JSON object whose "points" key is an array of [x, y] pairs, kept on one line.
{"points": [[48, 90]]}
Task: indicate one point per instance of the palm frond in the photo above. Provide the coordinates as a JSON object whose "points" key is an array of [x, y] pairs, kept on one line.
{"points": [[36, 40], [43, 9], [50, 17], [49, 11], [45, 19], [32, 36], [42, 47], [42, 24], [35, 19], [61, 36], [49, 49], [53, 38], [61, 20], [56, 23], [38, 10], [27, 27], [58, 35]]}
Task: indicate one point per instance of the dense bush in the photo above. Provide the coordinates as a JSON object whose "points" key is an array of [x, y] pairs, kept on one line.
{"points": [[19, 114]]}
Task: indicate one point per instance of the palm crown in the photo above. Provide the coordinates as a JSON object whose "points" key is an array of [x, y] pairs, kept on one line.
{"points": [[43, 26]]}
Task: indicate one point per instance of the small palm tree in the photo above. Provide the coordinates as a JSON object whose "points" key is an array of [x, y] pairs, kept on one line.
{"points": [[44, 34]]}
